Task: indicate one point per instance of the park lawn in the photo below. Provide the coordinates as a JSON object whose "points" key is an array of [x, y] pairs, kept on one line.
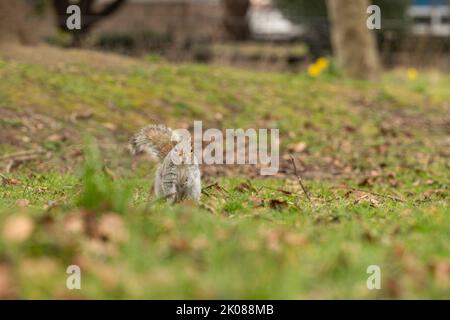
{"points": [[374, 158]]}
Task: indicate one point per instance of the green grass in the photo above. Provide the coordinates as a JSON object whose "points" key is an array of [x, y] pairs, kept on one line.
{"points": [[246, 239]]}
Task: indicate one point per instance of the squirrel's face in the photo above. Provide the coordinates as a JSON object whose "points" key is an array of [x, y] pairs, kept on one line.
{"points": [[182, 155]]}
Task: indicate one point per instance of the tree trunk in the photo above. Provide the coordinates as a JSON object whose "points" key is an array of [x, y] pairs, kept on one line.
{"points": [[13, 22], [353, 43], [235, 20], [90, 17]]}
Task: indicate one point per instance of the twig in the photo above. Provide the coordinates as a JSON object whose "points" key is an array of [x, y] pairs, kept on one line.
{"points": [[22, 155], [275, 189], [299, 178], [206, 193], [217, 187], [210, 186], [10, 166], [3, 179], [15, 162]]}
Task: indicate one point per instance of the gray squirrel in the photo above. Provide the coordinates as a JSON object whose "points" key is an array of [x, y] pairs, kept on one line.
{"points": [[178, 175]]}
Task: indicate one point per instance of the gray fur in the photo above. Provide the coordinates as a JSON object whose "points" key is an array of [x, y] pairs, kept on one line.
{"points": [[174, 182]]}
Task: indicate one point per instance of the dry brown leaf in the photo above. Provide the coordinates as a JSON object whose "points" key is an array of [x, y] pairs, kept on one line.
{"points": [[35, 268], [180, 245], [55, 138], [272, 240], [200, 242], [278, 204], [437, 192], [109, 125], [349, 128], [210, 206], [367, 182], [223, 234], [85, 115], [441, 272], [101, 248], [23, 203], [364, 197], [7, 289], [297, 147], [244, 187], [74, 224], [47, 221], [256, 201], [295, 239], [112, 228], [393, 288], [372, 200], [393, 182], [346, 146], [109, 275], [18, 228], [10, 181]]}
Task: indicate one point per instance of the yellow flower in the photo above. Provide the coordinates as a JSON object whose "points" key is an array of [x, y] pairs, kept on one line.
{"points": [[322, 63], [314, 70], [412, 74]]}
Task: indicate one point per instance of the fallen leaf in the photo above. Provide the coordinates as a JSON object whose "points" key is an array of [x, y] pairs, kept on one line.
{"points": [[17, 228], [364, 197], [100, 248], [55, 138], [112, 228], [278, 204], [346, 146], [81, 116], [256, 201], [10, 181], [393, 288], [372, 200], [349, 128], [38, 268], [272, 240], [218, 116], [200, 242], [367, 182], [210, 206], [297, 147], [441, 271], [23, 203], [295, 239], [244, 187], [438, 192], [7, 289], [180, 245], [41, 190], [110, 126], [47, 220], [74, 224], [392, 180]]}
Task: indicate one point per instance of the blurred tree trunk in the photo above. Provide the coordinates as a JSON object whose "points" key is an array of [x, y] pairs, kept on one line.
{"points": [[13, 22], [89, 16], [235, 20], [353, 43]]}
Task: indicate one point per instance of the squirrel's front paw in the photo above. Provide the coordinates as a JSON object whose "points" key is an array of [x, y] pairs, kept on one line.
{"points": [[171, 198]]}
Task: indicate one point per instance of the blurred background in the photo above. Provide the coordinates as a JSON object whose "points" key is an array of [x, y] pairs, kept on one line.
{"points": [[284, 35], [374, 154]]}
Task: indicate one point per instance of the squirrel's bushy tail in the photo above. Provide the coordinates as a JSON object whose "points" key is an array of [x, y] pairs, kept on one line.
{"points": [[156, 140]]}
